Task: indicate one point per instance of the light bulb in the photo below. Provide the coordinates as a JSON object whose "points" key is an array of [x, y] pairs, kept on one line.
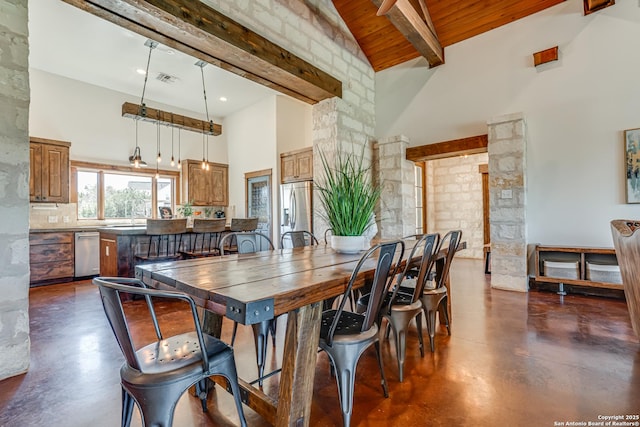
{"points": [[159, 157], [173, 163], [157, 175], [207, 166], [136, 163], [204, 166]]}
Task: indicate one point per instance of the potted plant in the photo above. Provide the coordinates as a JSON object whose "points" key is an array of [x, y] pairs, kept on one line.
{"points": [[186, 210], [348, 197]]}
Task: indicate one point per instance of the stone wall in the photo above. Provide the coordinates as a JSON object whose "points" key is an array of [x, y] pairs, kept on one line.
{"points": [[14, 188], [454, 200], [507, 200]]}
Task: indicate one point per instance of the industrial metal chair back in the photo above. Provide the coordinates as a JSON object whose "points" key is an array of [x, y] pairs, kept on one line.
{"points": [[245, 242], [297, 239], [156, 375], [344, 335]]}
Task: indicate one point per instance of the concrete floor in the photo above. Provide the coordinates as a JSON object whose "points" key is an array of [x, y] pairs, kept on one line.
{"points": [[518, 359]]}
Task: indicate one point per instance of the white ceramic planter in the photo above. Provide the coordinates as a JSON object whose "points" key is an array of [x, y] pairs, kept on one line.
{"points": [[348, 244]]}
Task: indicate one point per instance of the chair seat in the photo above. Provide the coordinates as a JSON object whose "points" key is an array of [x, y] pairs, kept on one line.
{"points": [[348, 329], [178, 354]]}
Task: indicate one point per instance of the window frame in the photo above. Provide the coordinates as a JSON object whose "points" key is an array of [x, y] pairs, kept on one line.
{"points": [[101, 169]]}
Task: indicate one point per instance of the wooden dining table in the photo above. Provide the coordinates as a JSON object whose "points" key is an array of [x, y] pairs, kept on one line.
{"points": [[251, 288]]}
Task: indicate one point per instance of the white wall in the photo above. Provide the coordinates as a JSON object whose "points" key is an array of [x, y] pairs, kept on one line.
{"points": [[252, 147], [294, 124], [576, 110], [90, 117]]}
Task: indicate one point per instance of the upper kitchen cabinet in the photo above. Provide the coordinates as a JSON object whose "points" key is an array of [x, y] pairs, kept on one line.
{"points": [[49, 170], [297, 165], [205, 187]]}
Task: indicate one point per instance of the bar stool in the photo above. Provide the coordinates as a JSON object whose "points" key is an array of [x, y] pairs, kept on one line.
{"points": [[165, 240], [239, 225], [205, 237]]}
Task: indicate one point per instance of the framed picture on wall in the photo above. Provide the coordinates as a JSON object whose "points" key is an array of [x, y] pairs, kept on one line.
{"points": [[632, 164]]}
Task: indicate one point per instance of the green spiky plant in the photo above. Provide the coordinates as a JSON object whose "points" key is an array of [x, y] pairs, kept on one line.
{"points": [[347, 194]]}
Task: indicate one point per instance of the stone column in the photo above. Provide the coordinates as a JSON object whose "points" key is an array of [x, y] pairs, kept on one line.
{"points": [[507, 199], [14, 188], [397, 214]]}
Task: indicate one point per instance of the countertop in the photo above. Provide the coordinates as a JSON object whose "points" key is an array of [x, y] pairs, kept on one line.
{"points": [[114, 229]]}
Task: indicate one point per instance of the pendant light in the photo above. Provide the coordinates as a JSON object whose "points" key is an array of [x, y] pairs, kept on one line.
{"points": [[205, 161], [173, 162], [159, 159], [136, 159], [179, 145]]}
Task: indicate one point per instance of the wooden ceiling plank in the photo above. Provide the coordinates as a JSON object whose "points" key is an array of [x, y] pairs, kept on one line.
{"points": [[410, 24], [193, 27], [457, 147]]}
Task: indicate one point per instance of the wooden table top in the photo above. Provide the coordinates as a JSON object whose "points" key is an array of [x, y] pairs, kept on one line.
{"points": [[286, 279]]}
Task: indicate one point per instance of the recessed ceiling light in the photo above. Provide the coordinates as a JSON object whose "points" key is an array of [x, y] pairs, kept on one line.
{"points": [[223, 98], [170, 52], [141, 71]]}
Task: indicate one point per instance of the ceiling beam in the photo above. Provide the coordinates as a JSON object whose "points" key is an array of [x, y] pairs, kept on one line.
{"points": [[202, 32], [413, 27], [148, 114], [457, 147]]}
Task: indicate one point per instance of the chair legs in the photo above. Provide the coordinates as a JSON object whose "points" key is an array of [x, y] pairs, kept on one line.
{"points": [[344, 358], [127, 408], [399, 319], [431, 300], [260, 335]]}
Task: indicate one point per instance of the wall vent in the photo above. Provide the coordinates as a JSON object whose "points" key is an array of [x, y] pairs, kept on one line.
{"points": [[166, 78]]}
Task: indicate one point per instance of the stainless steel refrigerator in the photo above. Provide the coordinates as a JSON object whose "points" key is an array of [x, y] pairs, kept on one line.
{"points": [[296, 206]]}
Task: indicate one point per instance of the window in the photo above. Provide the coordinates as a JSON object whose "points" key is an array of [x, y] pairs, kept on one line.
{"points": [[108, 192], [419, 196], [87, 195]]}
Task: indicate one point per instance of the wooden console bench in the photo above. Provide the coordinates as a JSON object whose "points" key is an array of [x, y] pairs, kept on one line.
{"points": [[584, 267]]}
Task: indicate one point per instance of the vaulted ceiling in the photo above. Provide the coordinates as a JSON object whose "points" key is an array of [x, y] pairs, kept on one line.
{"points": [[385, 39]]}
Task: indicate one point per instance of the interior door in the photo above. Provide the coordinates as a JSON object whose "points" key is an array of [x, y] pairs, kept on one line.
{"points": [[258, 198]]}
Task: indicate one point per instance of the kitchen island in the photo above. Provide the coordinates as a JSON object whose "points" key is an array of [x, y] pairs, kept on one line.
{"points": [[118, 246]]}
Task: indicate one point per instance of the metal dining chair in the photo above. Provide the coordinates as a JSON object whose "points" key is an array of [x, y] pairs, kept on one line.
{"points": [[433, 298], [297, 239], [250, 242], [403, 306], [156, 375], [345, 335]]}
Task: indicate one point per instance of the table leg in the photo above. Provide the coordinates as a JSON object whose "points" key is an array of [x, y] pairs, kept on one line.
{"points": [[298, 366], [211, 322], [439, 268]]}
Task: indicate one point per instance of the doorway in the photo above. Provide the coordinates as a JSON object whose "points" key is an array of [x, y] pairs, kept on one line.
{"points": [[258, 199]]}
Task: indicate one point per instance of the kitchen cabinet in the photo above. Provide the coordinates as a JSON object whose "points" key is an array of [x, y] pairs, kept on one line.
{"points": [[297, 165], [108, 256], [205, 187], [49, 170], [51, 257]]}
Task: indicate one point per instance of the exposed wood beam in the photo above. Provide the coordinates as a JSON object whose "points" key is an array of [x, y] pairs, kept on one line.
{"points": [[457, 147], [545, 56], [591, 6], [200, 31], [413, 27], [134, 111]]}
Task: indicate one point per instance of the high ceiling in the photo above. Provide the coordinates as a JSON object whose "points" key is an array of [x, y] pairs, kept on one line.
{"points": [[453, 21]]}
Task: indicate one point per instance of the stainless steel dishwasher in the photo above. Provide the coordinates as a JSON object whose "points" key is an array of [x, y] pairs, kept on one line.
{"points": [[87, 253]]}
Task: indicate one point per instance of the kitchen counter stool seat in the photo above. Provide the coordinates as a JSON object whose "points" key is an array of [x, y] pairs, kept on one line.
{"points": [[165, 240]]}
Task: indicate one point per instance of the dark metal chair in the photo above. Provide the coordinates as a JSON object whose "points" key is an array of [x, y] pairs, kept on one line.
{"points": [[250, 242], [402, 303], [345, 335], [404, 306], [205, 237], [434, 297], [156, 375], [165, 240], [297, 239]]}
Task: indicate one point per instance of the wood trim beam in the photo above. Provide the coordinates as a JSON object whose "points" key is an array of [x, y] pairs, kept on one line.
{"points": [[200, 31], [591, 6], [413, 27], [133, 111], [457, 147], [545, 56]]}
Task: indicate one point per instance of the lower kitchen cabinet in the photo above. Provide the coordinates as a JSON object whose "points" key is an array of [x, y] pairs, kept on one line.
{"points": [[51, 257]]}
